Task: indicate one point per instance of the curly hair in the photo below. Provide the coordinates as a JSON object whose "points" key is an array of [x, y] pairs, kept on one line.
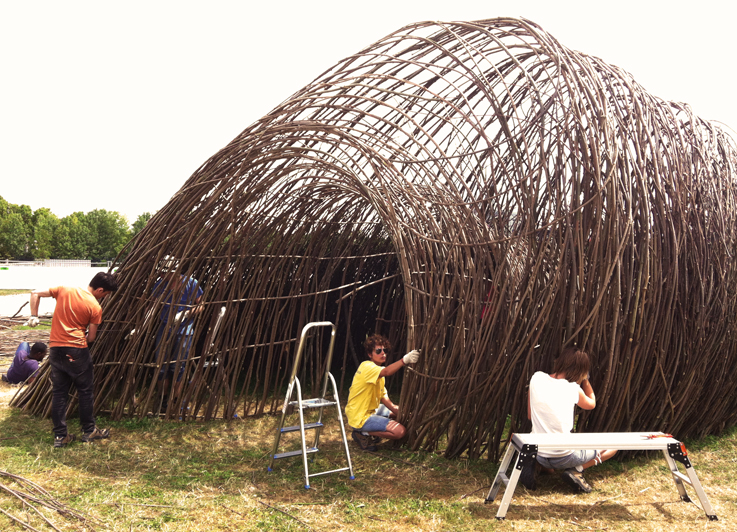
{"points": [[374, 340]]}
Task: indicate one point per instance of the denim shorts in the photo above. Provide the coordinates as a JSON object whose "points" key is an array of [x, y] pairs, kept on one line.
{"points": [[575, 459], [378, 421]]}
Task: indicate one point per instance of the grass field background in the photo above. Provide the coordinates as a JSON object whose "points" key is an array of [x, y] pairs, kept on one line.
{"points": [[192, 476]]}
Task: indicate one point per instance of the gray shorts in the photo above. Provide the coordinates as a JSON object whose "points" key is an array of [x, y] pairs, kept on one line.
{"points": [[377, 422], [573, 460]]}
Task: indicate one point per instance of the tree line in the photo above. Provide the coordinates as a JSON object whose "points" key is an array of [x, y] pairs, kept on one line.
{"points": [[36, 235]]}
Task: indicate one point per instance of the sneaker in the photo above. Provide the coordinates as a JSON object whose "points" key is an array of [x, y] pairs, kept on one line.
{"points": [[96, 434], [575, 480], [63, 441], [374, 440], [527, 477], [364, 441]]}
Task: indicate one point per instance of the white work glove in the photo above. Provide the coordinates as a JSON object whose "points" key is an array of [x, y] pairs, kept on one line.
{"points": [[411, 357], [181, 316], [32, 322]]}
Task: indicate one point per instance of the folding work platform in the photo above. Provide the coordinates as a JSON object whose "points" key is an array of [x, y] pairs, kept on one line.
{"points": [[526, 447], [303, 404]]}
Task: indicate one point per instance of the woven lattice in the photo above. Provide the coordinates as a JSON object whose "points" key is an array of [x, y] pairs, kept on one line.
{"points": [[475, 190]]}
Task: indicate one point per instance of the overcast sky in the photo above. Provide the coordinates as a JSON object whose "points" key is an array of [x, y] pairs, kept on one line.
{"points": [[114, 105]]}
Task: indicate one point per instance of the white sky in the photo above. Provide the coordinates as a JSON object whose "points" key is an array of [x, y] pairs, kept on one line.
{"points": [[113, 105]]}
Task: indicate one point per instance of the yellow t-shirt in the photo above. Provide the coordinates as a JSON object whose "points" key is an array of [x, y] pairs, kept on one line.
{"points": [[75, 309], [365, 395]]}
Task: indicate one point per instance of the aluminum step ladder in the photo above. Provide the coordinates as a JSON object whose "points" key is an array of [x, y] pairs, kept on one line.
{"points": [[303, 404]]}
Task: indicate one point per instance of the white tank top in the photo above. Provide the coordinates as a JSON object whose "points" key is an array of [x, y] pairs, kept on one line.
{"points": [[552, 403]]}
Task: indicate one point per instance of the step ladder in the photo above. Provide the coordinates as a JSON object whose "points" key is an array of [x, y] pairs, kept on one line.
{"points": [[303, 404]]}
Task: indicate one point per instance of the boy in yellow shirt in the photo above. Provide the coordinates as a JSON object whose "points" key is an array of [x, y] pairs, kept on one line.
{"points": [[371, 414]]}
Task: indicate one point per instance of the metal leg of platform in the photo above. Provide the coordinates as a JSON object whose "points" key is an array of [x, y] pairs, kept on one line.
{"points": [[675, 454], [526, 457], [509, 491], [501, 474]]}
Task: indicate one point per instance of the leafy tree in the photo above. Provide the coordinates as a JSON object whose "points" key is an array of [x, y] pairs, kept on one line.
{"points": [[140, 223], [23, 236], [13, 241], [45, 224], [98, 235], [107, 233], [71, 237]]}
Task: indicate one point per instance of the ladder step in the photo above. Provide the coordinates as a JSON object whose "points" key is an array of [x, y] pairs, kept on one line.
{"points": [[327, 472], [307, 426], [681, 476], [309, 450], [314, 403]]}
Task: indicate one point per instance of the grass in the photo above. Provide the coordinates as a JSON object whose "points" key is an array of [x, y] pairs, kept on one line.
{"points": [[11, 292], [194, 476], [43, 326]]}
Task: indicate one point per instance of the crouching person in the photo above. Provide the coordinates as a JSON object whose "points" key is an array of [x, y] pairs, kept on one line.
{"points": [[25, 363], [551, 406], [370, 412]]}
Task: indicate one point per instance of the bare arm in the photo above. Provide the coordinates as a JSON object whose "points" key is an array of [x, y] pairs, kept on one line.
{"points": [[392, 368], [391, 406], [586, 397], [92, 332], [198, 307], [36, 296]]}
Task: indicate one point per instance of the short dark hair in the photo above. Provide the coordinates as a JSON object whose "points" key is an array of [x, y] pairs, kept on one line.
{"points": [[374, 340], [573, 363], [39, 348], [104, 280]]}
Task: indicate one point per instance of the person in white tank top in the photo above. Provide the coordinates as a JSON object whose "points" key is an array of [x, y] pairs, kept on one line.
{"points": [[551, 406]]}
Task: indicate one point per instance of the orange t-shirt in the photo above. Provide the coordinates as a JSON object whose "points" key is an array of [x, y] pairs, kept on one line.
{"points": [[75, 309]]}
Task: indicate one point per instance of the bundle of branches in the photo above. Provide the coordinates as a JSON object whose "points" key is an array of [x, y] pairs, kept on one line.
{"points": [[33, 499], [473, 189]]}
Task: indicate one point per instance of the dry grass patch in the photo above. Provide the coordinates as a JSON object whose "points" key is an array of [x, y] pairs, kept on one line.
{"points": [[13, 291], [194, 476]]}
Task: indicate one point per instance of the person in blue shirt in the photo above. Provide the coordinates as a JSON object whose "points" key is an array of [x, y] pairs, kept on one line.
{"points": [[25, 363], [181, 296]]}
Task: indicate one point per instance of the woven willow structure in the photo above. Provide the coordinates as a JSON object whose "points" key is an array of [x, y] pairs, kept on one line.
{"points": [[475, 190]]}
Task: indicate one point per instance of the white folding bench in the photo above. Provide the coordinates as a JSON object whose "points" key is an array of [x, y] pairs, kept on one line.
{"points": [[526, 447]]}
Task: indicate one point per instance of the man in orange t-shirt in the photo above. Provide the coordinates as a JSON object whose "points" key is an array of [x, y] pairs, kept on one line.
{"points": [[69, 356]]}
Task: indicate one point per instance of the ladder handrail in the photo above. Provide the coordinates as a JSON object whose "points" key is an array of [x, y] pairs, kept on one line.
{"points": [[300, 349], [302, 433]]}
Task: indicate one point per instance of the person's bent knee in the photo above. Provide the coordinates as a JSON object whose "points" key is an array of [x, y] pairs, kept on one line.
{"points": [[397, 430], [606, 455]]}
